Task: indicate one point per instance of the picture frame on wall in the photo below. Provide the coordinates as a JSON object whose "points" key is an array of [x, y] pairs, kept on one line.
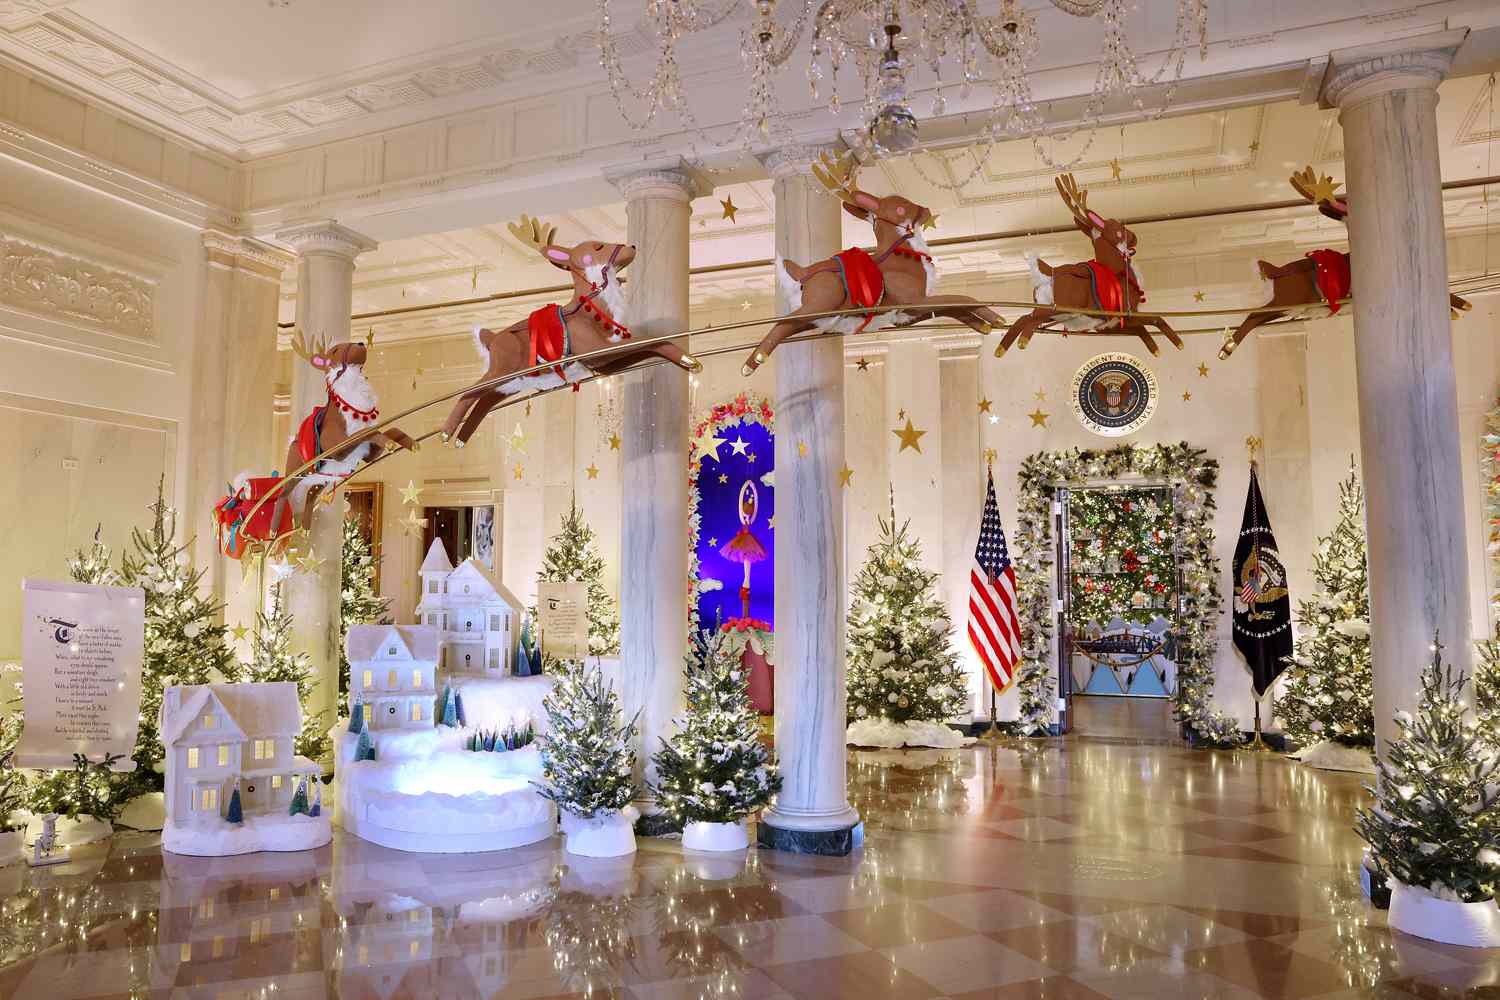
{"points": [[367, 506], [482, 535]]}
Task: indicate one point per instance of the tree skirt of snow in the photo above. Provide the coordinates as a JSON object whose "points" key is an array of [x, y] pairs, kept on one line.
{"points": [[144, 812], [1417, 911], [12, 847], [1330, 756], [71, 832], [884, 733], [715, 837], [608, 835], [424, 792], [263, 832]]}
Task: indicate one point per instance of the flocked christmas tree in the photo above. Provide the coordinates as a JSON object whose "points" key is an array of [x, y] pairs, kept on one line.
{"points": [[588, 761], [573, 556], [715, 769], [901, 664], [1487, 691], [1330, 691], [1435, 823], [359, 603], [184, 642], [91, 564], [272, 659]]}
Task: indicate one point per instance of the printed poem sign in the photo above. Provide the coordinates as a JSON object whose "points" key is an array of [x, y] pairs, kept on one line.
{"points": [[561, 619], [81, 652]]}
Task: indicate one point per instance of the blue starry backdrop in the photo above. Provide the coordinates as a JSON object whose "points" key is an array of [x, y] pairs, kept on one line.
{"points": [[748, 453]]}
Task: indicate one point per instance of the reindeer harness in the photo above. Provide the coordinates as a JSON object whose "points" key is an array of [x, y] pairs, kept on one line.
{"points": [[310, 433], [864, 285], [548, 326]]}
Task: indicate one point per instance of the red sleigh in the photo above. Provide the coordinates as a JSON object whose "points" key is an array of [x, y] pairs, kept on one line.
{"points": [[235, 532]]}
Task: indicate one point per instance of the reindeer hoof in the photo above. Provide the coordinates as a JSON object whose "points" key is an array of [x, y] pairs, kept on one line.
{"points": [[445, 436], [458, 442], [1465, 305], [1000, 350], [691, 364], [986, 327]]}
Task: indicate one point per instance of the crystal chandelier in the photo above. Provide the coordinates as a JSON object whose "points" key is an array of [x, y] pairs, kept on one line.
{"points": [[882, 44]]}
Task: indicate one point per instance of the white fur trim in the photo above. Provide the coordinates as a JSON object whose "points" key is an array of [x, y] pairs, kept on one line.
{"points": [[484, 352], [573, 372], [920, 245], [1041, 284], [610, 294], [790, 290]]}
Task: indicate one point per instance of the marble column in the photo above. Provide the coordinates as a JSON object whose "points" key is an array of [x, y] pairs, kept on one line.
{"points": [[654, 457], [325, 292], [1408, 406], [812, 814], [234, 385]]}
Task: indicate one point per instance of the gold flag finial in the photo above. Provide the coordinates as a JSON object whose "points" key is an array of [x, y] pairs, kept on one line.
{"points": [[990, 455], [1254, 444]]}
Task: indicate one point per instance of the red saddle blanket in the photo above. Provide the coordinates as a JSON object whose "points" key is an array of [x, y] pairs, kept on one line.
{"points": [[549, 336], [863, 281], [1333, 276], [308, 434]]}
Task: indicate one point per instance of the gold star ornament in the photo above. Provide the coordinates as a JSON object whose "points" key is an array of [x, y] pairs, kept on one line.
{"points": [[1187, 397], [984, 406], [311, 563], [1198, 296], [412, 523], [614, 442], [729, 208], [1041, 395], [519, 470], [239, 632], [592, 470], [863, 364], [1038, 417], [909, 437], [845, 474], [1202, 370], [802, 449], [1114, 168]]}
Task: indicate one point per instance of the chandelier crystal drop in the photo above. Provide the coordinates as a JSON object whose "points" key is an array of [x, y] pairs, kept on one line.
{"points": [[895, 49]]}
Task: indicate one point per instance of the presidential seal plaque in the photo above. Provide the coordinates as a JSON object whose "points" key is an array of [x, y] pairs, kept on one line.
{"points": [[1113, 394]]}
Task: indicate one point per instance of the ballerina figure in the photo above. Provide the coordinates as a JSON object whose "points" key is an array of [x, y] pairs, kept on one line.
{"points": [[744, 547]]}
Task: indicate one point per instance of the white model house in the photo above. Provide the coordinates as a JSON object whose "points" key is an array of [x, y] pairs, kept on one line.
{"points": [[392, 672], [477, 617], [219, 736]]}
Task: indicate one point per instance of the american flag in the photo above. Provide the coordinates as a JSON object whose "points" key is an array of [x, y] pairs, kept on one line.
{"points": [[994, 628], [1251, 588]]}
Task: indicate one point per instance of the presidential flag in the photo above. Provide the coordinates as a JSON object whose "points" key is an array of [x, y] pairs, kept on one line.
{"points": [[1262, 604], [994, 628]]}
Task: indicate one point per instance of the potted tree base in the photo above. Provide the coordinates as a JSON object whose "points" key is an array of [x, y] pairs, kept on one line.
{"points": [[1419, 912], [703, 836], [12, 846], [605, 835]]}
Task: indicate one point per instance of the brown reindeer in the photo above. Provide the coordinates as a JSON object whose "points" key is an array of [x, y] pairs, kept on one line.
{"points": [[591, 320], [350, 407], [898, 272], [1108, 282], [1313, 287]]}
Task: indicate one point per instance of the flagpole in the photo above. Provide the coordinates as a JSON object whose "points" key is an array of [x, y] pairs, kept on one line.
{"points": [[1258, 744]]}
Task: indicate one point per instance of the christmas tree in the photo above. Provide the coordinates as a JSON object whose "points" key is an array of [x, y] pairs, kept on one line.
{"points": [[573, 557], [901, 666], [364, 748], [272, 659], [91, 564], [1330, 691], [359, 604], [447, 714], [357, 718], [1435, 823], [715, 769], [588, 762], [299, 800], [1487, 692], [13, 790], [236, 812]]}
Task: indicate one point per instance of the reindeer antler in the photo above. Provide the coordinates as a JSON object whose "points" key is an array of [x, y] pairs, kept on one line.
{"points": [[1077, 200], [836, 173], [533, 232], [299, 344], [1315, 187]]}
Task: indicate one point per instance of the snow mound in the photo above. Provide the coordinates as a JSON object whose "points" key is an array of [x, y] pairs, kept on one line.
{"points": [[11, 849], [885, 733], [71, 832], [144, 812], [1330, 756], [496, 702], [270, 832]]}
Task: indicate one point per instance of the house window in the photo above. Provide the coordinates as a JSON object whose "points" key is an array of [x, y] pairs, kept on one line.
{"points": [[260, 927], [185, 952], [258, 749], [210, 721], [415, 948], [467, 659], [469, 625], [364, 954], [494, 659], [489, 964], [466, 588], [208, 798], [192, 756], [416, 711], [432, 586], [443, 657], [391, 651], [223, 754], [275, 892], [416, 678], [494, 623], [218, 946], [392, 679], [206, 908], [368, 679], [275, 782]]}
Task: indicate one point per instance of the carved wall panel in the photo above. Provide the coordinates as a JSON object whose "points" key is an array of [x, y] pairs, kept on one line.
{"points": [[43, 280]]}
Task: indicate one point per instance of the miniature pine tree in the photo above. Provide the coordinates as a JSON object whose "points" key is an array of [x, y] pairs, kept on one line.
{"points": [[1330, 691], [458, 708], [364, 749], [715, 769], [272, 659], [357, 717], [588, 761], [299, 800], [573, 557], [448, 714], [317, 802], [359, 604], [1435, 823], [901, 665], [235, 813]]}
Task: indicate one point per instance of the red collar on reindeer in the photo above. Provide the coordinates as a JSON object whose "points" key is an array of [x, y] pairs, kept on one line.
{"points": [[334, 399], [616, 330]]}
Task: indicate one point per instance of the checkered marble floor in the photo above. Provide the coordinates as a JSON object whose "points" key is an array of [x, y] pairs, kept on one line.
{"points": [[1085, 869]]}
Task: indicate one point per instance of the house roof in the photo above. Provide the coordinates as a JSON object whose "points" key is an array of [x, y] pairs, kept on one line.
{"points": [[256, 710], [437, 559], [420, 641], [488, 579]]}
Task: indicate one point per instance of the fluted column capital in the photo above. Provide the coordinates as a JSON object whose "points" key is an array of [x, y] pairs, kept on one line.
{"points": [[325, 237], [673, 180], [1363, 72]]}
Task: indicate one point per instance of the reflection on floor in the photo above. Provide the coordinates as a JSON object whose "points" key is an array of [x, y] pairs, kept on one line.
{"points": [[1074, 869], [1134, 718]]}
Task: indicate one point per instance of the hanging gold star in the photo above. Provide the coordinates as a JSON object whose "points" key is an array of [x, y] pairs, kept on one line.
{"points": [[1114, 168], [863, 364], [412, 523], [745, 306], [1202, 370], [751, 457], [518, 439], [729, 209], [1323, 189], [311, 563], [723, 478], [984, 405], [1038, 418], [713, 542], [1187, 397], [1255, 146], [614, 442], [909, 436], [1198, 296], [411, 493], [519, 470], [1041, 395], [930, 222], [592, 470], [845, 474], [802, 449], [326, 498], [239, 632]]}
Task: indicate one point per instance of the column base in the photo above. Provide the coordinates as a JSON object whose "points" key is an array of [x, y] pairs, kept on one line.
{"points": [[834, 834]]}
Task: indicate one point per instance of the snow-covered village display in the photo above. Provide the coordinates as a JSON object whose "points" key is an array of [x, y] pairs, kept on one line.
{"points": [[477, 617], [392, 675], [234, 784]]}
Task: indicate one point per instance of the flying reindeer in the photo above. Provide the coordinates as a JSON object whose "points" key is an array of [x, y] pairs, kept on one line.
{"points": [[1109, 283], [897, 272], [350, 407], [1313, 287], [590, 321]]}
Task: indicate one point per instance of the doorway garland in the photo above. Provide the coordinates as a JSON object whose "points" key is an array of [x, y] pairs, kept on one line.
{"points": [[1192, 477]]}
